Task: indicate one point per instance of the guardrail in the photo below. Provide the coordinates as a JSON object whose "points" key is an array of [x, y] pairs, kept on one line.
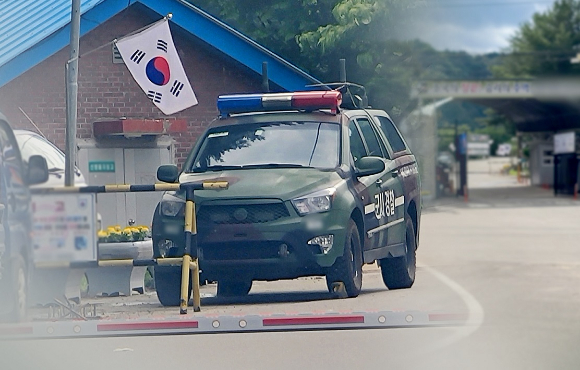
{"points": [[189, 262]]}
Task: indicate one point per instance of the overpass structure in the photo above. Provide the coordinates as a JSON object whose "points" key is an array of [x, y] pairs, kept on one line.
{"points": [[541, 105], [544, 109]]}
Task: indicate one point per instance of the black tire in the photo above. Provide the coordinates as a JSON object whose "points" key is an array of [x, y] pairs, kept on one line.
{"points": [[233, 288], [168, 285], [348, 268], [399, 272]]}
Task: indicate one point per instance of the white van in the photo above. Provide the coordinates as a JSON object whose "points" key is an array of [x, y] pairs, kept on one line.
{"points": [[31, 143]]}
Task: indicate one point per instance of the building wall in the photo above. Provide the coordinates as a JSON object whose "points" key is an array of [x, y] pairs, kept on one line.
{"points": [[108, 91]]}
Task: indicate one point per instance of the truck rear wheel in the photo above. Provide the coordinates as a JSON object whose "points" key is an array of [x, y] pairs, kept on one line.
{"points": [[399, 272], [168, 285]]}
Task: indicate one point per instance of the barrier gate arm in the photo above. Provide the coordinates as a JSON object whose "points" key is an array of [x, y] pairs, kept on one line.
{"points": [[188, 262]]}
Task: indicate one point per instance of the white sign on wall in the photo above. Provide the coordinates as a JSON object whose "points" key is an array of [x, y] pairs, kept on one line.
{"points": [[565, 143], [64, 227]]}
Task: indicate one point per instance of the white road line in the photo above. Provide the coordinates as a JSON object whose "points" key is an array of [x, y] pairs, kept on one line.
{"points": [[369, 208], [475, 310]]}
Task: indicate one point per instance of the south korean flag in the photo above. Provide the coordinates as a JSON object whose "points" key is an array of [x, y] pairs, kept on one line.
{"points": [[154, 63]]}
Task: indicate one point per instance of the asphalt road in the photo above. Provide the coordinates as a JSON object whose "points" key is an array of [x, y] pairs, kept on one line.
{"points": [[509, 259]]}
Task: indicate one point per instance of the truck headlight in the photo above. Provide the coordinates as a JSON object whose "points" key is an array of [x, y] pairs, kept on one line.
{"points": [[172, 209], [320, 201]]}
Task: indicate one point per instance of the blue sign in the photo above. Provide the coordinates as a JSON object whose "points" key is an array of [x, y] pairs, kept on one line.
{"points": [[463, 143]]}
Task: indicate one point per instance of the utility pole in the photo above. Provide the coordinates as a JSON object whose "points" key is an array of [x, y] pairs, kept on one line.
{"points": [[71, 72]]}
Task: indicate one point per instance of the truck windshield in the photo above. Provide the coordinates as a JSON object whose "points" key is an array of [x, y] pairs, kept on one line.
{"points": [[275, 144]]}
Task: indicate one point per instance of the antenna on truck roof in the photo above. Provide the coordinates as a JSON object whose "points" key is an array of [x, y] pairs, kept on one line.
{"points": [[354, 96]]}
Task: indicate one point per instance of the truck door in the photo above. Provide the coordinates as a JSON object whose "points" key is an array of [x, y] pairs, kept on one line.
{"points": [[380, 190]]}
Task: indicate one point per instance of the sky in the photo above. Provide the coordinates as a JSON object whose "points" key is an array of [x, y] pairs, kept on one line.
{"points": [[475, 26]]}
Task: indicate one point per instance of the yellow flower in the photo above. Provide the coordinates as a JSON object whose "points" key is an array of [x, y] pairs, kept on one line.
{"points": [[102, 234]]}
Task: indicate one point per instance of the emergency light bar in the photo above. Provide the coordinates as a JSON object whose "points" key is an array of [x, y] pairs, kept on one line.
{"points": [[306, 100]]}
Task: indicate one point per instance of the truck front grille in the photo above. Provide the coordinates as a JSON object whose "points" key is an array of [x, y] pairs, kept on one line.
{"points": [[242, 214]]}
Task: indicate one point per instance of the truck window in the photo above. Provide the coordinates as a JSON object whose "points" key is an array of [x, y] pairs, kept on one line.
{"points": [[388, 128], [357, 147], [370, 138]]}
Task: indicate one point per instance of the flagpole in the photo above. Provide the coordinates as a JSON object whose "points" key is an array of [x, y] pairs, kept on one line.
{"points": [[71, 87], [168, 16], [71, 70]]}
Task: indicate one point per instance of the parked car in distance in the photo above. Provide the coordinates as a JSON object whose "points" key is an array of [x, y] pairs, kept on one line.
{"points": [[16, 222], [503, 150], [31, 143]]}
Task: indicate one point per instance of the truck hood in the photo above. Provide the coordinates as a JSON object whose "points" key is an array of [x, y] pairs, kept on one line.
{"points": [[277, 183]]}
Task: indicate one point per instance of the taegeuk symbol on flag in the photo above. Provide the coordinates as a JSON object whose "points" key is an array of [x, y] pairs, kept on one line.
{"points": [[154, 63]]}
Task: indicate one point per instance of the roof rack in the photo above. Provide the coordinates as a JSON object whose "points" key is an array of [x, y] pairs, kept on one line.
{"points": [[354, 96]]}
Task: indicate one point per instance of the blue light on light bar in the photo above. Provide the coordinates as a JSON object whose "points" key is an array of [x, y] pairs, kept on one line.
{"points": [[239, 103]]}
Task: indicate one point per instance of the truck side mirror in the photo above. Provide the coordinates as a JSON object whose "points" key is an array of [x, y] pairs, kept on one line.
{"points": [[37, 171], [168, 173], [367, 166]]}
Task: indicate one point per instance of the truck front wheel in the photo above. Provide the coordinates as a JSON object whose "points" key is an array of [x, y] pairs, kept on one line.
{"points": [[168, 285], [348, 267]]}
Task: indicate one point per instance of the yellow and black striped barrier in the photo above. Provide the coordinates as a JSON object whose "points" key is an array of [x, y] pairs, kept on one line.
{"points": [[188, 262], [126, 188]]}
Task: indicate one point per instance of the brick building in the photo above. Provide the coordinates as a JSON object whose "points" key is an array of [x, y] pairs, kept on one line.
{"points": [[216, 58]]}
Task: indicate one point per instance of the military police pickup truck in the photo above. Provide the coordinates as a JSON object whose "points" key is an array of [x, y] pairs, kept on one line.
{"points": [[314, 189]]}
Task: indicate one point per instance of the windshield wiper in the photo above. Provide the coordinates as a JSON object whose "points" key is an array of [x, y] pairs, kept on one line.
{"points": [[215, 168], [247, 166], [276, 165]]}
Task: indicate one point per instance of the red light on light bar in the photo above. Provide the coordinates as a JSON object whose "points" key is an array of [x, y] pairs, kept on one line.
{"points": [[317, 99]]}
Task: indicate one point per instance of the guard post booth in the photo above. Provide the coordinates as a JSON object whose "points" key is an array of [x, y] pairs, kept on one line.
{"points": [[566, 163], [128, 151]]}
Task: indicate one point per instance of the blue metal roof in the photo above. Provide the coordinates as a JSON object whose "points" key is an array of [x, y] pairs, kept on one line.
{"points": [[24, 23], [33, 30]]}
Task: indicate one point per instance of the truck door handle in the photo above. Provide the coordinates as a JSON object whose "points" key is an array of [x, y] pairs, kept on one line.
{"points": [[379, 182], [394, 174]]}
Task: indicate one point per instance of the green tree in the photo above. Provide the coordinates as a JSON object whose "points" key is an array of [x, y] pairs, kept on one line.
{"points": [[315, 34], [545, 45]]}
